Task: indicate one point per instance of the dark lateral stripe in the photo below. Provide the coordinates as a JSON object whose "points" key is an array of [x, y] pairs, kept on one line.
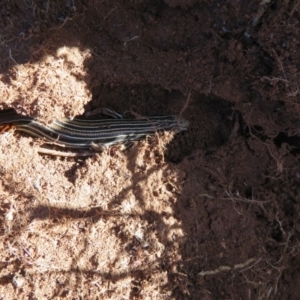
{"points": [[117, 123], [82, 133], [112, 130], [9, 116]]}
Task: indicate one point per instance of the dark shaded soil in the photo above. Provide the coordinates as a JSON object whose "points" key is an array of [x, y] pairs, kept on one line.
{"points": [[234, 66]]}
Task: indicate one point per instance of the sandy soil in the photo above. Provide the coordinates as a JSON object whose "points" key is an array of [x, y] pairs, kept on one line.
{"points": [[212, 213]]}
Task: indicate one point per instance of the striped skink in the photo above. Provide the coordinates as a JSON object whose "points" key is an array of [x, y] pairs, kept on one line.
{"points": [[86, 134]]}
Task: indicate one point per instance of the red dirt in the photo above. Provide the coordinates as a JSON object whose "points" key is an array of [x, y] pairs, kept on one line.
{"points": [[212, 215]]}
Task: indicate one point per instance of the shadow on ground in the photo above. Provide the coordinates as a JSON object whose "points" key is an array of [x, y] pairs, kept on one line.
{"points": [[237, 198]]}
